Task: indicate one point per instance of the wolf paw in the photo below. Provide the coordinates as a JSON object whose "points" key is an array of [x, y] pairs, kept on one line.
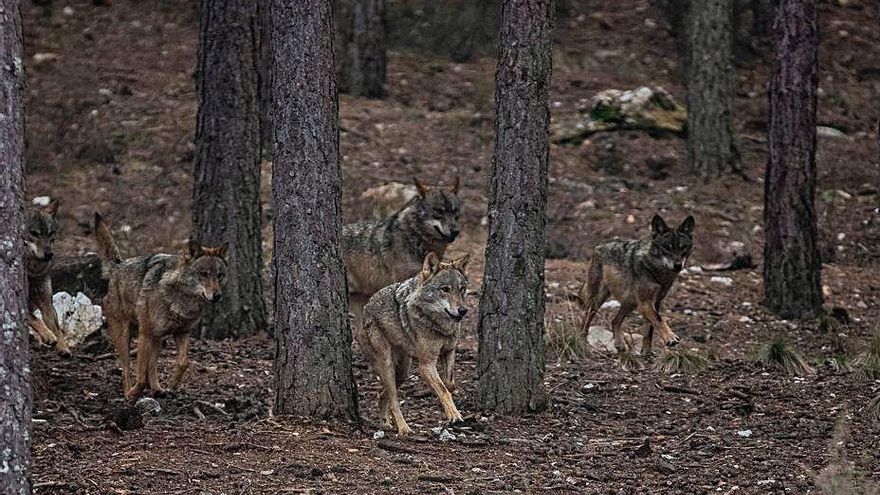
{"points": [[672, 339], [403, 430]]}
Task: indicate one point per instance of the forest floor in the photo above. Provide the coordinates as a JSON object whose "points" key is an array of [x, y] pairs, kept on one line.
{"points": [[111, 112]]}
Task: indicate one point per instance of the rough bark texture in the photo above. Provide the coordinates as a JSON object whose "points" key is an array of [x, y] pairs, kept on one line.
{"points": [[792, 267], [265, 65], [313, 356], [226, 196], [511, 326], [711, 144], [361, 47], [15, 374]]}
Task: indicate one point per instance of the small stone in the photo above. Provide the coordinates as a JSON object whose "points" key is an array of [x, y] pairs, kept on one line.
{"points": [[744, 433], [378, 435], [446, 436], [42, 58], [610, 304], [148, 405], [725, 281], [630, 219], [829, 132], [68, 11]]}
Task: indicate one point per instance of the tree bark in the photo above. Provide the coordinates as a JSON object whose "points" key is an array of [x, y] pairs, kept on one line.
{"points": [[313, 374], [792, 267], [511, 326], [15, 375], [361, 46], [226, 196], [266, 135], [712, 147]]}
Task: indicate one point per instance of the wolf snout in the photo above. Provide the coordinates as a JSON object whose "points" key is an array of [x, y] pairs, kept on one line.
{"points": [[677, 266], [48, 255], [216, 297], [462, 311]]}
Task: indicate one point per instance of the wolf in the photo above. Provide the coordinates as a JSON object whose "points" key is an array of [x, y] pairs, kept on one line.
{"points": [[161, 295], [639, 274], [417, 318], [378, 253], [39, 237]]}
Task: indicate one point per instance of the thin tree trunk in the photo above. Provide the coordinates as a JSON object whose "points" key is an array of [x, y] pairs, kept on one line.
{"points": [[15, 376], [511, 326], [711, 143], [226, 196], [362, 46], [792, 267], [313, 374]]}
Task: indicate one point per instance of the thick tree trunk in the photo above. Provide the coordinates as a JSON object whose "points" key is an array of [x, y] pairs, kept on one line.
{"points": [[313, 354], [265, 65], [15, 376], [792, 267], [711, 144], [511, 326], [226, 197], [361, 47]]}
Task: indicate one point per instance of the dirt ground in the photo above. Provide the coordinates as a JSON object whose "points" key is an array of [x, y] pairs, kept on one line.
{"points": [[110, 117]]}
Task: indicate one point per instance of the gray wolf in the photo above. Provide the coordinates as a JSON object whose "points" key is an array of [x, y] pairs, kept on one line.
{"points": [[39, 236], [161, 295], [638, 274], [378, 253], [417, 318]]}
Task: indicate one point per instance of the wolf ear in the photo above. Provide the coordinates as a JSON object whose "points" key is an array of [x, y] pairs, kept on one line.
{"points": [[52, 207], [431, 265], [461, 264], [455, 183], [421, 188], [687, 227], [658, 226], [194, 248], [221, 251]]}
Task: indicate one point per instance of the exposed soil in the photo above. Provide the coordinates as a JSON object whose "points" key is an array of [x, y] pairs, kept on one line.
{"points": [[110, 128]]}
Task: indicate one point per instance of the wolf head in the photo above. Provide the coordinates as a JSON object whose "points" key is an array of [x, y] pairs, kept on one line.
{"points": [[437, 210], [443, 288], [205, 269], [672, 247], [40, 229]]}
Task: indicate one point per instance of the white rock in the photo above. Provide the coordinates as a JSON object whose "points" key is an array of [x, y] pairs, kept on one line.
{"points": [[725, 281], [744, 433], [602, 339], [610, 304], [148, 405], [68, 11], [745, 319], [695, 269], [378, 435], [41, 201], [77, 316], [446, 436], [829, 132], [42, 58]]}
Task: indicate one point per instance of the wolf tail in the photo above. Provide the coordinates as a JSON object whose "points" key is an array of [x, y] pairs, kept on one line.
{"points": [[106, 244]]}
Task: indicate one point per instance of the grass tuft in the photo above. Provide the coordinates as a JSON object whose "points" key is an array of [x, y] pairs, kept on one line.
{"points": [[868, 363], [629, 361], [872, 411], [680, 361], [777, 354], [563, 336]]}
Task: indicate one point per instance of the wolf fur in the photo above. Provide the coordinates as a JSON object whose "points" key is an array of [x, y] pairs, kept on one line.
{"points": [[378, 253], [638, 274], [417, 318], [39, 237], [161, 295]]}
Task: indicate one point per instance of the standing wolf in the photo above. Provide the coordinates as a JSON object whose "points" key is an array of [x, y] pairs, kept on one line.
{"points": [[377, 254], [638, 274], [417, 318], [39, 235], [161, 295]]}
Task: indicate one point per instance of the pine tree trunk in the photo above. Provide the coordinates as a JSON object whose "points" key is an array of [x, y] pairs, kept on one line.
{"points": [[226, 197], [15, 376], [313, 374], [265, 65], [792, 267], [361, 47], [711, 144], [511, 326]]}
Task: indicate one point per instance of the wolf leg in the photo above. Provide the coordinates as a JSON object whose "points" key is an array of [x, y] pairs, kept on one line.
{"points": [[626, 308], [447, 369], [118, 333], [428, 370], [44, 335], [51, 320], [181, 340], [593, 293], [649, 311], [152, 367], [143, 364], [384, 364], [648, 341]]}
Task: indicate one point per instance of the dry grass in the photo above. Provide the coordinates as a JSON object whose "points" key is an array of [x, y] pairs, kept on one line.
{"points": [[868, 363], [777, 354], [562, 333], [872, 411], [680, 361]]}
